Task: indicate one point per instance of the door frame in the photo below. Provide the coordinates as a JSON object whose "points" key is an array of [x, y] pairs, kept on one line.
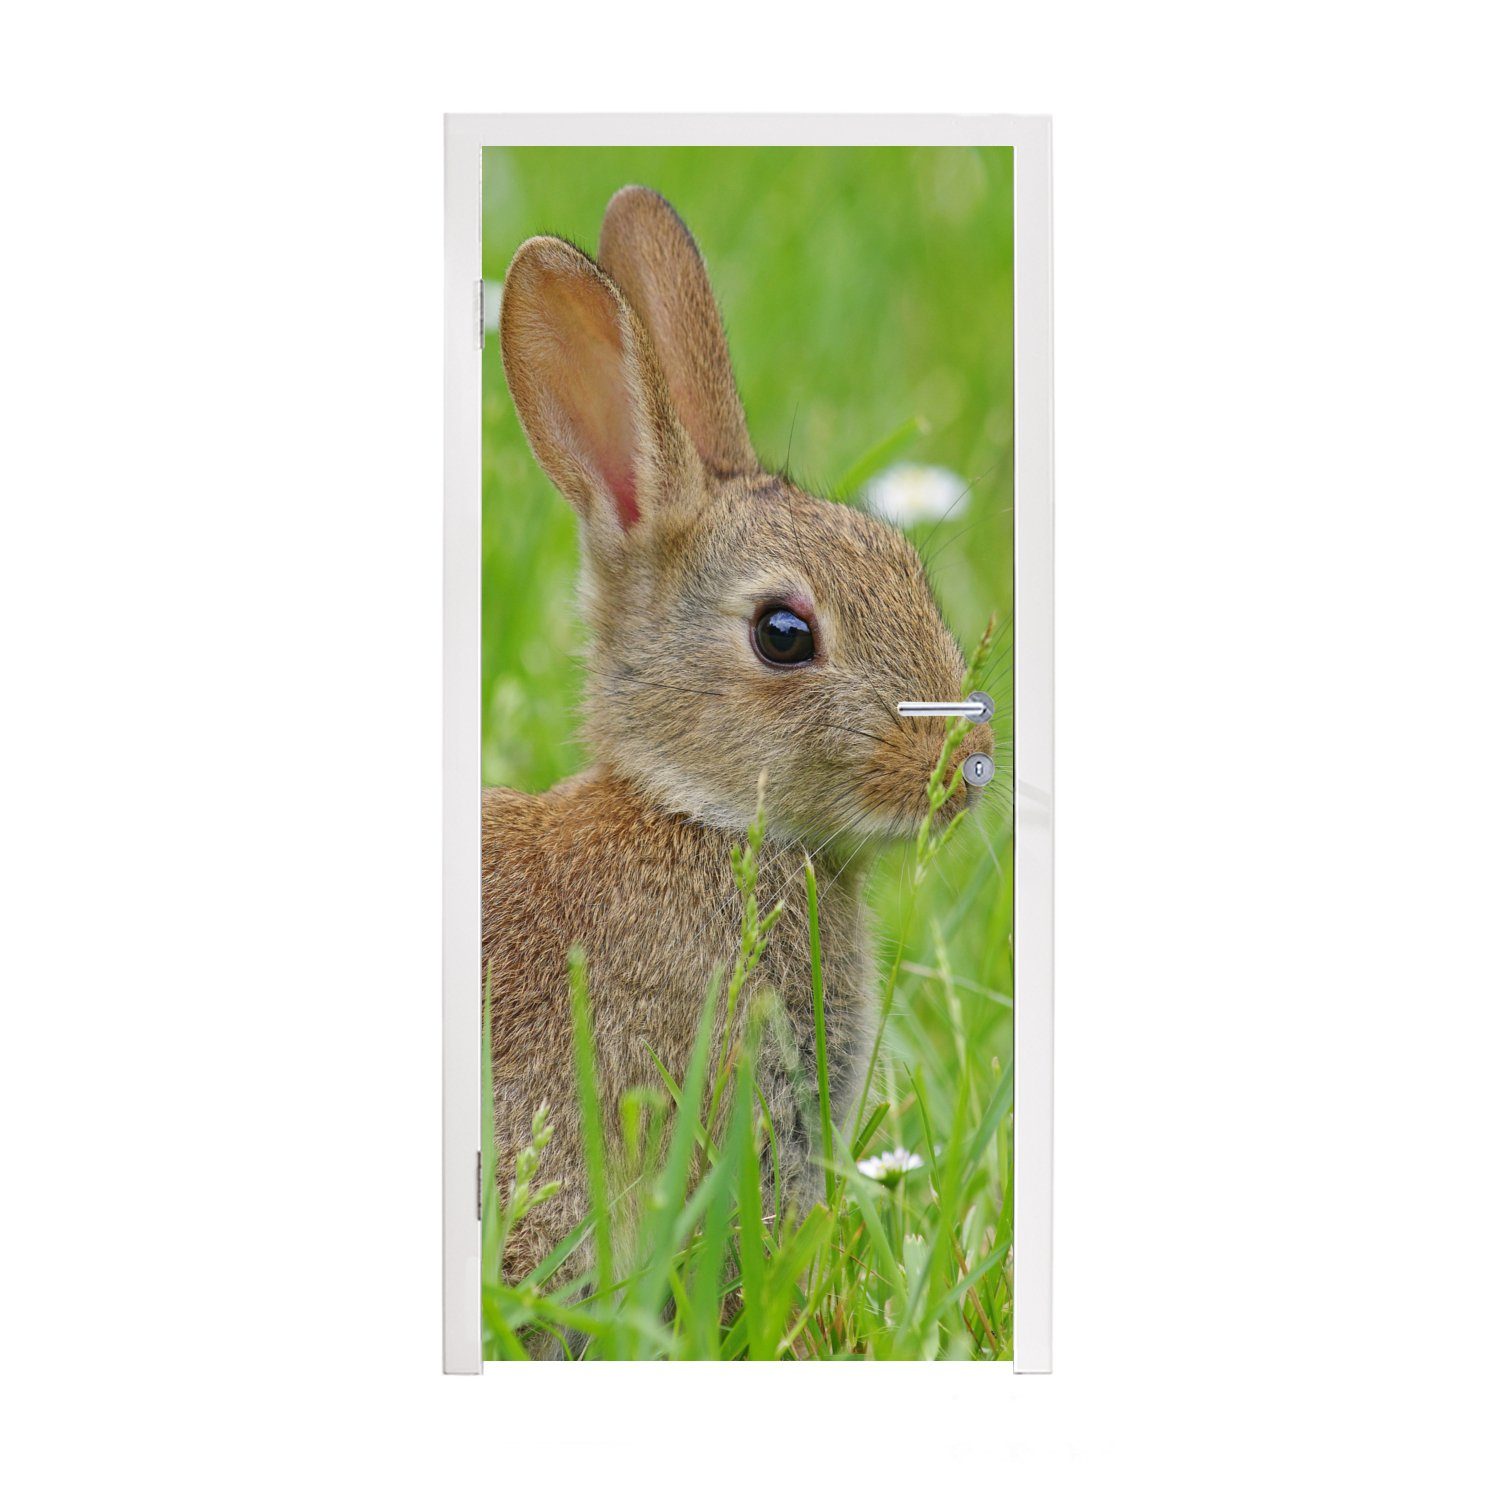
{"points": [[1030, 137]]}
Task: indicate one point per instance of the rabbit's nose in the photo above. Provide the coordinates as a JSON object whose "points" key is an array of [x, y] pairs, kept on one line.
{"points": [[974, 759]]}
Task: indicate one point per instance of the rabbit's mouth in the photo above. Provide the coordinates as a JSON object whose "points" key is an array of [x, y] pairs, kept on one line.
{"points": [[904, 790]]}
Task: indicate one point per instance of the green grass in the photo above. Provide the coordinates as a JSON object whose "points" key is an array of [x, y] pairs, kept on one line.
{"points": [[867, 296]]}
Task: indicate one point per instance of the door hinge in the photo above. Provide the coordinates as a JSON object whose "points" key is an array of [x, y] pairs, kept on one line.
{"points": [[479, 310]]}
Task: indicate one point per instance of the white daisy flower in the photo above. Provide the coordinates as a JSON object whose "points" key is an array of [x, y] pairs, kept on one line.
{"points": [[890, 1166], [907, 493]]}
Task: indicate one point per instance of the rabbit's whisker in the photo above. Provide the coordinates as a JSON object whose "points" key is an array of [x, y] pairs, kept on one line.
{"points": [[948, 542], [853, 853], [957, 500], [880, 739], [667, 687], [989, 849]]}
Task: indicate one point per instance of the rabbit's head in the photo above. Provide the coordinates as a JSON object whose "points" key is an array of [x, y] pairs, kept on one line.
{"points": [[738, 623]]}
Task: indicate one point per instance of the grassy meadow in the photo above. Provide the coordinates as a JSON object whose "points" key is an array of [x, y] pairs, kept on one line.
{"points": [[867, 296]]}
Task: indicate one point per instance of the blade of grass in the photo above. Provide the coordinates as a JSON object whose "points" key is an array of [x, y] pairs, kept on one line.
{"points": [[700, 1131], [825, 1110], [492, 1249], [771, 1146], [873, 460], [592, 1125], [877, 1114], [647, 1292], [707, 1286], [752, 1232], [988, 1131]]}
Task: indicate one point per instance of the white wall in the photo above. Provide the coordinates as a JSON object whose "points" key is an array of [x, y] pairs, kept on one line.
{"points": [[219, 606]]}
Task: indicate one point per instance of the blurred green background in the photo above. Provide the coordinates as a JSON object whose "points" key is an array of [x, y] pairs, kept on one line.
{"points": [[867, 294]]}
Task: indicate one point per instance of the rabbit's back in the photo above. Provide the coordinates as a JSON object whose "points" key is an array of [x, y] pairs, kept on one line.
{"points": [[591, 864], [650, 898]]}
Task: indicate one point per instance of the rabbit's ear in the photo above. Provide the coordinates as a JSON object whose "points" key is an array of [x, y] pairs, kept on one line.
{"points": [[590, 392], [652, 258]]}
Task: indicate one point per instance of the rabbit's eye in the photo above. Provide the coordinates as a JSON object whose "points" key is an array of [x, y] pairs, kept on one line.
{"points": [[782, 638]]}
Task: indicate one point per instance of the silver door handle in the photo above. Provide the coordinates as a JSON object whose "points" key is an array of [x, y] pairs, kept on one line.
{"points": [[978, 708]]}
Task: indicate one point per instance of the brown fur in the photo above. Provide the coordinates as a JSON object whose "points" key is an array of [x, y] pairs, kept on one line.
{"points": [[623, 384]]}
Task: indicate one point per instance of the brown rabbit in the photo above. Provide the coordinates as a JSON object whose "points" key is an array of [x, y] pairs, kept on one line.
{"points": [[738, 626]]}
